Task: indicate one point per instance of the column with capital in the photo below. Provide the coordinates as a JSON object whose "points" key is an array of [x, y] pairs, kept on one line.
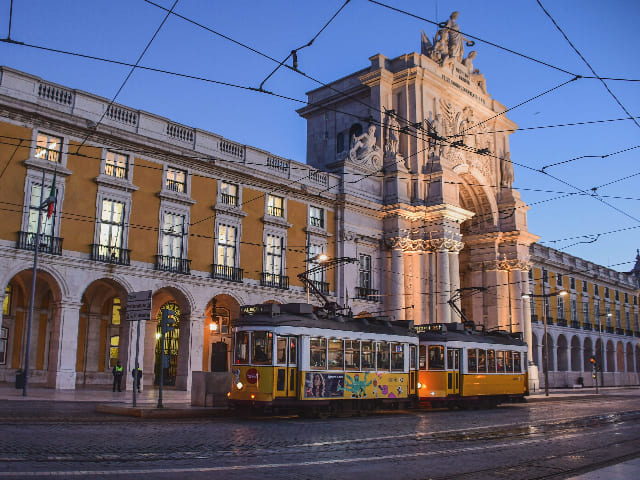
{"points": [[396, 284], [443, 286], [61, 372]]}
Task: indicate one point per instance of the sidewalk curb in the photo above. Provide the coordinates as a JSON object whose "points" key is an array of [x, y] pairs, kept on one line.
{"points": [[169, 411]]}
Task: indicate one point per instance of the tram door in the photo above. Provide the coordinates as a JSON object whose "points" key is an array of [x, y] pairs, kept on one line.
{"points": [[287, 369], [453, 371]]}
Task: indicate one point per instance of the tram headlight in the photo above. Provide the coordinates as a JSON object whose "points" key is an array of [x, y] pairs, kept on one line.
{"points": [[420, 386], [239, 385]]}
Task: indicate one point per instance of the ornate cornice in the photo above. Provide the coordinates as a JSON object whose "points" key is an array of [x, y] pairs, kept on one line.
{"points": [[425, 245]]}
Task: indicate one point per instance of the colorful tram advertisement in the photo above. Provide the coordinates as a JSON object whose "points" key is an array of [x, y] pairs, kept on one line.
{"points": [[460, 367], [290, 358]]}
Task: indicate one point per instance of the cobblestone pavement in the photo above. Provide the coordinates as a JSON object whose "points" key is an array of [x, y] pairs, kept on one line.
{"points": [[543, 439]]}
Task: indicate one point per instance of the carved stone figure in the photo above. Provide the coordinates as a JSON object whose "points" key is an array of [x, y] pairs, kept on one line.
{"points": [[466, 125], [456, 39], [391, 143], [363, 144], [468, 62], [506, 171]]}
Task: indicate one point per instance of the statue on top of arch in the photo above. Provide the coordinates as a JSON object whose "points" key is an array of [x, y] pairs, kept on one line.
{"points": [[448, 44]]}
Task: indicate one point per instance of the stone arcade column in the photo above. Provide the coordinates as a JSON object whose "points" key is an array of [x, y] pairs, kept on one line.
{"points": [[418, 281], [61, 373], [396, 280], [443, 286], [132, 334], [196, 345], [447, 275]]}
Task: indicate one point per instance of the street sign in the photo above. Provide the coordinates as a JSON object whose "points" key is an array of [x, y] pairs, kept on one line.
{"points": [[139, 306]]}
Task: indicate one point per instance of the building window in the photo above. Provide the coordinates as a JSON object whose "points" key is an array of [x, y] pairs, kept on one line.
{"points": [[111, 226], [618, 319], [596, 313], [627, 320], [172, 233], [176, 180], [545, 275], [317, 276], [596, 290], [560, 308], [617, 294], [585, 286], [637, 322], [606, 292], [559, 278], [273, 255], [364, 280], [4, 337], [47, 224], [114, 350], [116, 165], [6, 304], [115, 311], [49, 148], [275, 206], [572, 283], [607, 310], [316, 217], [531, 274], [226, 254], [585, 312], [229, 194], [626, 298], [574, 310]]}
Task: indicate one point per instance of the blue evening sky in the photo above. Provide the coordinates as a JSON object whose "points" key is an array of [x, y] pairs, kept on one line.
{"points": [[604, 228]]}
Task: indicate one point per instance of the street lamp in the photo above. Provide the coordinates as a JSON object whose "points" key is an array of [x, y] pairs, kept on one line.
{"points": [[318, 259], [606, 315], [545, 352]]}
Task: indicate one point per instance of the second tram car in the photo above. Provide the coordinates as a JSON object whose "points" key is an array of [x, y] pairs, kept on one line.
{"points": [[291, 358], [461, 367]]}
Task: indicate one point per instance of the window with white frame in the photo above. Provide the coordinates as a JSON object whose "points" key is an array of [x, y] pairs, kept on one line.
{"points": [[585, 286], [618, 319], [229, 194], [313, 262], [596, 313], [637, 322], [585, 312], [559, 279], [364, 271], [226, 254], [46, 223], [176, 180], [574, 310], [560, 305], [627, 320], [273, 255], [116, 165], [275, 206], [316, 217], [111, 227], [532, 306], [48, 147], [172, 235], [607, 310]]}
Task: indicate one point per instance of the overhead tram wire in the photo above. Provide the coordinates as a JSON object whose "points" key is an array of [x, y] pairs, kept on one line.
{"points": [[295, 51], [587, 63], [129, 74]]}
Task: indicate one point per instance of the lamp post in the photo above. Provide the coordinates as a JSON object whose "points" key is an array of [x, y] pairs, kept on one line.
{"points": [[319, 259], [545, 351], [602, 351]]}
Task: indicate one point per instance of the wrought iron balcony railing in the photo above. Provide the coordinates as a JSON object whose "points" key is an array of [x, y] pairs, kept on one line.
{"points": [[575, 324], [275, 281], [166, 263], [562, 322], [587, 326], [107, 254], [224, 272], [48, 244], [370, 294], [610, 330], [323, 287], [534, 319]]}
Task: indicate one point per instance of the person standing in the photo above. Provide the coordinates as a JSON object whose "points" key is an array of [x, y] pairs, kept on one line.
{"points": [[136, 378], [117, 376]]}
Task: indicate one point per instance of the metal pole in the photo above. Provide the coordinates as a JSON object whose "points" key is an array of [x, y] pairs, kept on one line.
{"points": [[601, 357], [161, 367], [546, 342], [135, 364], [27, 347]]}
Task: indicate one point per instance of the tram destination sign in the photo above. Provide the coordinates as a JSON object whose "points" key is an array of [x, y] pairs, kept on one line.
{"points": [[139, 306]]}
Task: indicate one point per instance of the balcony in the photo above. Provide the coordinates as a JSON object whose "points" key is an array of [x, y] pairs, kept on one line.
{"points": [[549, 320], [323, 287], [620, 331], [586, 326], [275, 281], [575, 324], [562, 322], [224, 272], [165, 263], [628, 333], [534, 319], [48, 244], [610, 330], [107, 254], [370, 294]]}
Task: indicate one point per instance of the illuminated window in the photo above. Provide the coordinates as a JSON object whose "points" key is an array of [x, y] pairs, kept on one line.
{"points": [[48, 147], [316, 217], [115, 311], [176, 180], [229, 194], [116, 165], [6, 304], [275, 206], [114, 349]]}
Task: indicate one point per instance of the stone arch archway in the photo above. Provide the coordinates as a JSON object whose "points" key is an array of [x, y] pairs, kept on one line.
{"points": [[576, 354], [219, 314], [620, 357], [561, 352], [587, 354], [630, 366]]}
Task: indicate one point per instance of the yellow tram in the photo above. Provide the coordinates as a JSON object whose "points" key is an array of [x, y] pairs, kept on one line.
{"points": [[459, 366], [291, 358]]}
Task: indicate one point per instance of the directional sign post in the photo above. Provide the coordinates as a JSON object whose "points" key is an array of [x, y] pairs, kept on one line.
{"points": [[138, 309]]}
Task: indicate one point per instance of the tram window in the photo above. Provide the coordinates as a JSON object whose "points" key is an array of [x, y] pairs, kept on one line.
{"points": [[397, 357], [436, 357], [508, 360], [368, 358], [472, 363], [452, 359], [422, 358], [352, 355], [336, 354], [262, 351], [281, 349], [517, 365], [500, 362], [293, 349], [242, 347], [412, 357], [491, 361], [318, 347], [482, 360], [382, 356]]}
